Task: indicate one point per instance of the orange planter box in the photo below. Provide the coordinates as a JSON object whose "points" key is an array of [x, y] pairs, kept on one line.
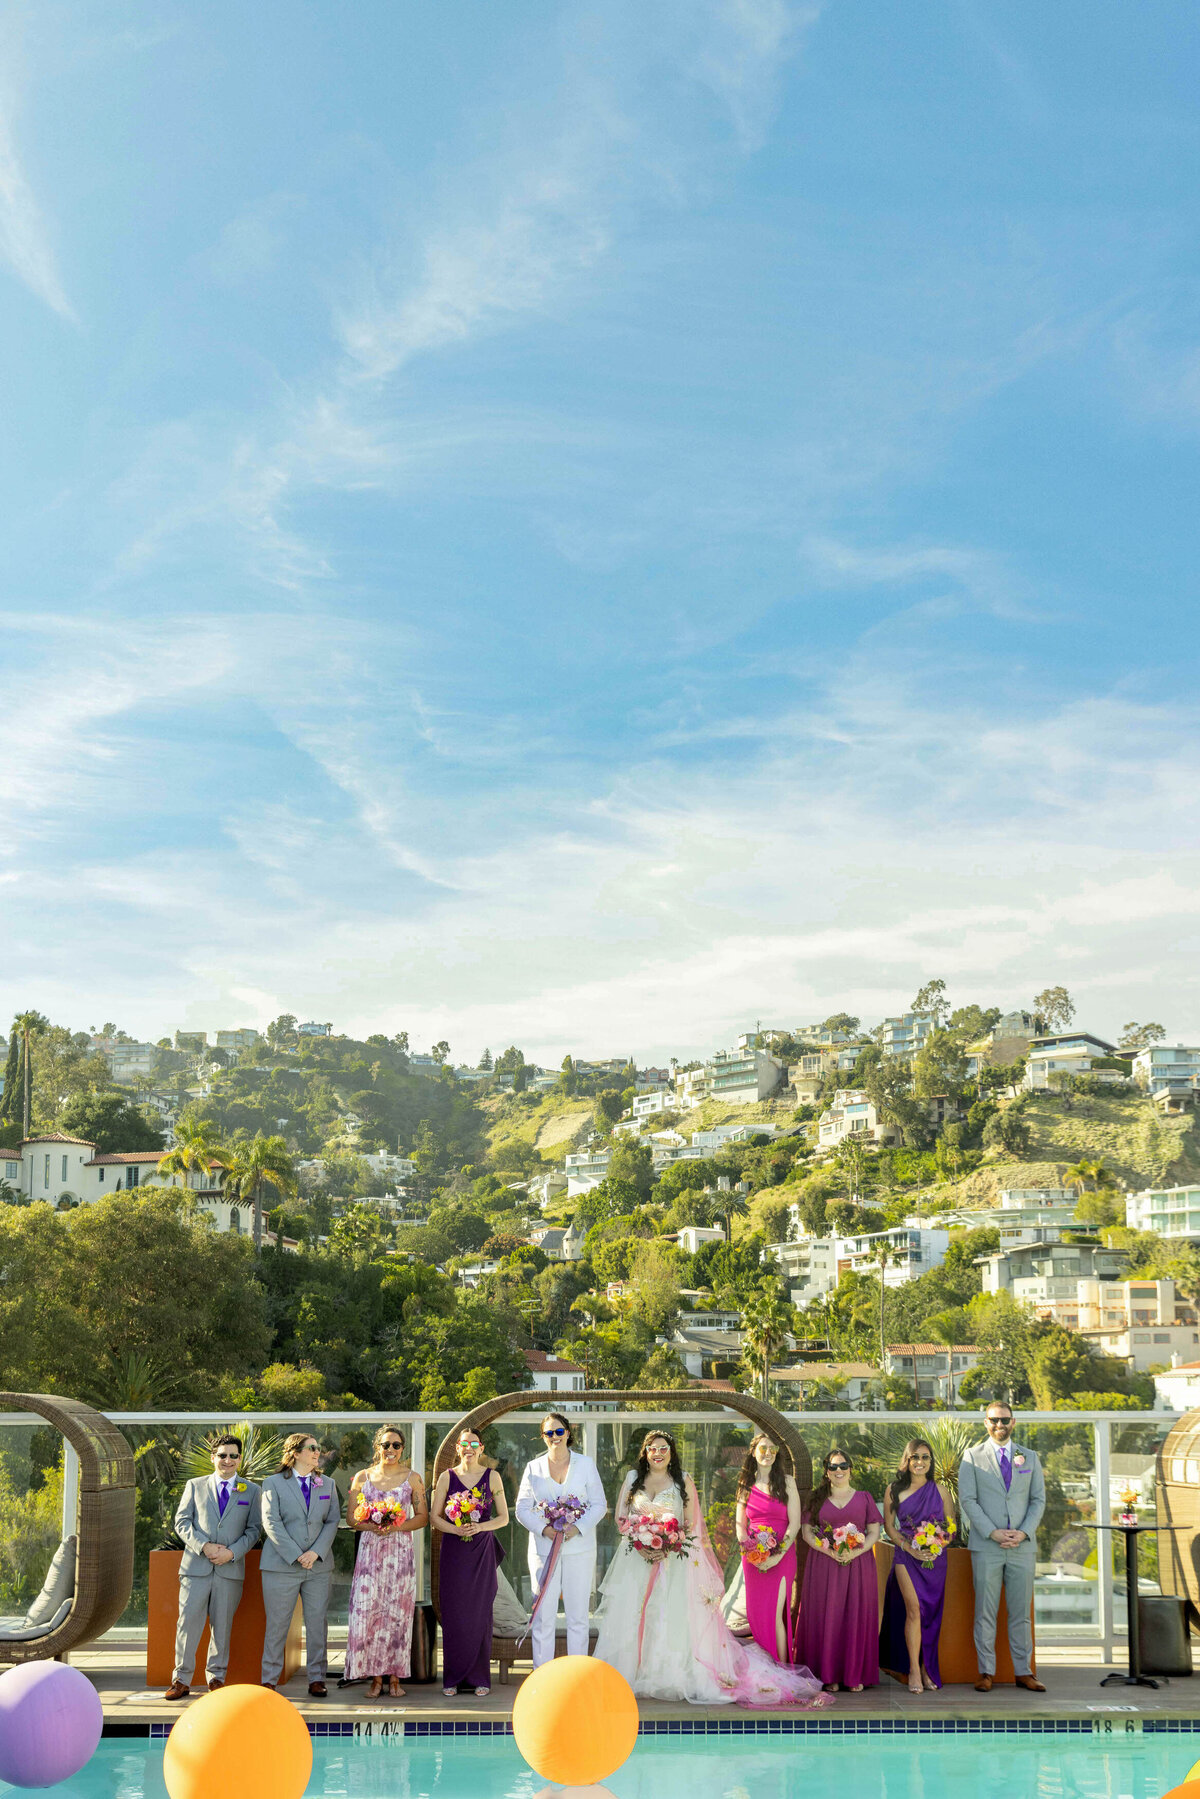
{"points": [[956, 1645], [246, 1640]]}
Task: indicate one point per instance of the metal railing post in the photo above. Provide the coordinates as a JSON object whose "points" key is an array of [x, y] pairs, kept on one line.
{"points": [[417, 1458], [1104, 1547]]}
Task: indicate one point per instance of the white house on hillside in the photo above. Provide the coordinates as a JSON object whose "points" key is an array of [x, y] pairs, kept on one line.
{"points": [[1172, 1212], [852, 1114], [1067, 1053]]}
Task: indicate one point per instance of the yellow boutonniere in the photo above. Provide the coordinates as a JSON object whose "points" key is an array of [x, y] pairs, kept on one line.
{"points": [[241, 1487]]}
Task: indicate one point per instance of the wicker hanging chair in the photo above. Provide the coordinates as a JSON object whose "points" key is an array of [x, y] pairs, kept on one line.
{"points": [[798, 1462], [104, 1557]]}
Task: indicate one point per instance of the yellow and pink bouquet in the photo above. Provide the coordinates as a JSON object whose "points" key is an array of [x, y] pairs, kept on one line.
{"points": [[383, 1512], [931, 1538], [465, 1506]]}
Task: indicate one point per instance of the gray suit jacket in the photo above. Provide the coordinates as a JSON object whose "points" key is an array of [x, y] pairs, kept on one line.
{"points": [[290, 1528], [198, 1521], [987, 1506]]}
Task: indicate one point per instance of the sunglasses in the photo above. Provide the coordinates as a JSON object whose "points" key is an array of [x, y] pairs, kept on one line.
{"points": [[554, 1431], [837, 1467], [391, 1443], [229, 1455]]}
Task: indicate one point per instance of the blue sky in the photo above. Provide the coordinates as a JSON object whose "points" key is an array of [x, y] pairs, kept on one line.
{"points": [[593, 524]]}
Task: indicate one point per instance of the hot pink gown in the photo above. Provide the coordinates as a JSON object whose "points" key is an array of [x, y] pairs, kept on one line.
{"points": [[838, 1635], [762, 1585]]}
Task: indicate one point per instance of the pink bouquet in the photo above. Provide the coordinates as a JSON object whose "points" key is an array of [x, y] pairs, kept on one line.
{"points": [[843, 1539], [763, 1544], [562, 1512], [383, 1512], [647, 1531], [465, 1506]]}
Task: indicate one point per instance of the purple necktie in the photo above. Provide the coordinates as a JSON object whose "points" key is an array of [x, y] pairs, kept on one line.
{"points": [[304, 1484], [223, 1498], [1006, 1470]]}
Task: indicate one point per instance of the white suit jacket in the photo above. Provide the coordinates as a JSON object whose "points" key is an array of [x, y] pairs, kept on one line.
{"points": [[583, 1481]]}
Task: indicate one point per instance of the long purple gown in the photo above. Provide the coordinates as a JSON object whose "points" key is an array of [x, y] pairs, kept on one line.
{"points": [[929, 1584], [838, 1634], [466, 1595]]}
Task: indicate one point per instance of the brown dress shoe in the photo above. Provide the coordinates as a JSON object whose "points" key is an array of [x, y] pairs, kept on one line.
{"points": [[177, 1690], [316, 1689], [984, 1684], [1030, 1683], [214, 1686], [270, 1686]]}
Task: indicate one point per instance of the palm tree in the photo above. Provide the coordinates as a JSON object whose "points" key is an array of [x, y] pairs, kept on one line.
{"points": [[197, 1149], [1089, 1176], [263, 1163], [766, 1324], [852, 1155], [724, 1206], [885, 1254]]}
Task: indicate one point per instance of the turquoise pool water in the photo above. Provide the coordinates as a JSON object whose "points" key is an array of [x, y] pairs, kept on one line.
{"points": [[711, 1767]]}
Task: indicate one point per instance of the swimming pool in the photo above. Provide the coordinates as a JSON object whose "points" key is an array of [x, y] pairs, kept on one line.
{"points": [[800, 1766]]}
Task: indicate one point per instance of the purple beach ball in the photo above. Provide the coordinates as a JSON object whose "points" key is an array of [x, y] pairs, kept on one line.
{"points": [[50, 1723]]}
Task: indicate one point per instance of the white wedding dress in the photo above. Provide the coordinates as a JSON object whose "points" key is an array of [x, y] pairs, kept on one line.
{"points": [[660, 1625]]}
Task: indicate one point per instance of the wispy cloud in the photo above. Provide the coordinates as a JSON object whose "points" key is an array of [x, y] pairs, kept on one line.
{"points": [[24, 241]]}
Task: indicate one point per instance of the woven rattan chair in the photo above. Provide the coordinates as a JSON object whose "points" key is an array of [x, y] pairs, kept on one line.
{"points": [[104, 1565], [505, 1650]]}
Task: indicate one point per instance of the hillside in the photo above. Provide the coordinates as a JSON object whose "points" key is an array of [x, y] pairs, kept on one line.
{"points": [[551, 1123], [1121, 1130]]}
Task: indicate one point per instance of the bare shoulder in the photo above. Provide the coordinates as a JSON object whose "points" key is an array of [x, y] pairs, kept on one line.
{"points": [[358, 1479]]}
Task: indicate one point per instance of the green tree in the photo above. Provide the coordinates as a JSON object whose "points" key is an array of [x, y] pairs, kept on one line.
{"points": [[197, 1149], [654, 1273], [255, 1166], [931, 1002], [724, 1205], [110, 1122], [632, 1163], [347, 1175], [568, 1080], [767, 1322], [1136, 1036], [1009, 1130], [1054, 1007], [610, 1104], [939, 1066]]}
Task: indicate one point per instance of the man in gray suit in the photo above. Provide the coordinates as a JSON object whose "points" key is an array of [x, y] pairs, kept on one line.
{"points": [[301, 1511], [1002, 1495], [219, 1521]]}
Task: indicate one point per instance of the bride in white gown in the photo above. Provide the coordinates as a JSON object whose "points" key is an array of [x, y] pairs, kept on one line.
{"points": [[659, 1617]]}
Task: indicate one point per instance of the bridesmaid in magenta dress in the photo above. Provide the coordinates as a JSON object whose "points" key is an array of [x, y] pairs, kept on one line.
{"points": [[383, 1590], [768, 1500], [838, 1637], [470, 1556], [916, 1588]]}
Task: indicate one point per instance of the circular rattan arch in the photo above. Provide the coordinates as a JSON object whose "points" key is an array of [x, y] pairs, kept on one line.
{"points": [[757, 1410], [104, 1557]]}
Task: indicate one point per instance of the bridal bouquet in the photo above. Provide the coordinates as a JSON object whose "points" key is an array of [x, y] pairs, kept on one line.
{"points": [[843, 1539], [763, 1544], [383, 1512], [647, 1532], [562, 1512], [931, 1538], [465, 1506]]}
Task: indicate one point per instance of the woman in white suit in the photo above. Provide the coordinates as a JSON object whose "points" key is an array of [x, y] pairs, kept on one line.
{"points": [[560, 1473]]}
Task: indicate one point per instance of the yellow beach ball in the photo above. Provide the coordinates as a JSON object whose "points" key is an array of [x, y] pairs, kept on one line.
{"points": [[575, 1721]]}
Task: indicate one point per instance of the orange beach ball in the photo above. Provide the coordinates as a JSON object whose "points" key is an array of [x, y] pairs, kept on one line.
{"points": [[249, 1736], [575, 1721]]}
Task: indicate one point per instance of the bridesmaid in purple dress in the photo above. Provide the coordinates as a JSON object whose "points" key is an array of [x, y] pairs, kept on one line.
{"points": [[916, 1588], [470, 1556], [838, 1636]]}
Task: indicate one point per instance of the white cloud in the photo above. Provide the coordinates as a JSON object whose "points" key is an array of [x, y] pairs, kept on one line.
{"points": [[24, 242]]}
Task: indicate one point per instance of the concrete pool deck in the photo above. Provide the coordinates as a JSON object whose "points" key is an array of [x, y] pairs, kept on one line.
{"points": [[1072, 1682]]}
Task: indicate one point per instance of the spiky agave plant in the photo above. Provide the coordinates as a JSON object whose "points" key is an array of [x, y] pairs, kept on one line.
{"points": [[261, 1450], [949, 1438]]}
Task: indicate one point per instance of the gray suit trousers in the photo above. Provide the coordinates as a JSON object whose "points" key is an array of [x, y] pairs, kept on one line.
{"points": [[993, 1571], [205, 1599], [280, 1591]]}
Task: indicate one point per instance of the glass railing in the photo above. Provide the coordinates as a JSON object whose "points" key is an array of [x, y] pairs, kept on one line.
{"points": [[1089, 1459]]}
